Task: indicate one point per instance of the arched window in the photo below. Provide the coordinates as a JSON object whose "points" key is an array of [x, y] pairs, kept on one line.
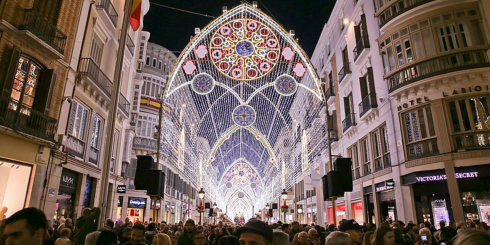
{"points": [[147, 60], [24, 85], [159, 64], [154, 62]]}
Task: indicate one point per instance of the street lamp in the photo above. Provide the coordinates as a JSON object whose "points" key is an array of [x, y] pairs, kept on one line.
{"points": [[284, 196], [201, 196], [300, 210], [267, 207], [214, 205]]}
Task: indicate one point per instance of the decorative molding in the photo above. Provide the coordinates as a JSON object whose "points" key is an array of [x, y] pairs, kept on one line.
{"points": [[447, 157]]}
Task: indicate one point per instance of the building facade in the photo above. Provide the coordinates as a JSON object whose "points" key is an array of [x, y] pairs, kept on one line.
{"points": [[408, 94]]}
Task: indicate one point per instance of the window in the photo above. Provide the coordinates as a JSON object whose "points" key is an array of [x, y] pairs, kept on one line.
{"points": [[353, 153], [154, 64], [380, 148], [97, 127], [147, 60], [96, 49], [368, 92], [24, 86], [470, 121], [78, 120], [141, 51], [50, 10], [160, 64], [419, 133], [366, 156], [114, 150]]}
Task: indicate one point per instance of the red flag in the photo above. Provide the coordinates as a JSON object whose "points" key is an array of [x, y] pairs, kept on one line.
{"points": [[135, 16]]}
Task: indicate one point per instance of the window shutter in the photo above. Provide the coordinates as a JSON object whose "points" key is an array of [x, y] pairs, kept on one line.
{"points": [[364, 87], [44, 91], [9, 77], [365, 35], [372, 89]]}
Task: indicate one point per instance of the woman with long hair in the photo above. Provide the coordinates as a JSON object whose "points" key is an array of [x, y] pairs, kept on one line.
{"points": [[368, 238], [161, 239], [384, 235]]}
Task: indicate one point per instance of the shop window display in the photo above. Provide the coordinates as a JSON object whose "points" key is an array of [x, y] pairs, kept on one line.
{"points": [[440, 212]]}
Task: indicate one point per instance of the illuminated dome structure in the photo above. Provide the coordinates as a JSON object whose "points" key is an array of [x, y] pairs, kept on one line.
{"points": [[251, 109]]}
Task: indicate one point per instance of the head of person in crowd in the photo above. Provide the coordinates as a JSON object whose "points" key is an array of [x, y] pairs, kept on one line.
{"points": [[161, 239], [189, 227], [384, 235], [198, 238], [353, 229], [303, 238], [220, 224], [295, 226], [173, 239], [331, 227], [26, 226], [229, 240], [255, 232], [224, 231], [137, 234], [286, 228], [368, 238], [65, 232], [69, 223], [200, 228], [338, 238], [109, 224], [447, 233], [107, 237], [472, 237], [426, 234], [216, 231], [92, 237], [280, 238], [151, 227]]}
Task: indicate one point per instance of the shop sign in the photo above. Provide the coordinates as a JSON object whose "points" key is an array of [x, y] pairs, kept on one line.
{"points": [[69, 181], [158, 204], [413, 102], [477, 88], [390, 184], [137, 202], [440, 177], [121, 189]]}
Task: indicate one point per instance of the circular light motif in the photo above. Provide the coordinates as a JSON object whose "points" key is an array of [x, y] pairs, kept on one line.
{"points": [[286, 85], [240, 194], [253, 185], [244, 115], [229, 185], [249, 47], [244, 48], [203, 83]]}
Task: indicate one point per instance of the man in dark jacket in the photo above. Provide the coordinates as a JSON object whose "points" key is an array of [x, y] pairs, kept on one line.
{"points": [[85, 224], [189, 229]]}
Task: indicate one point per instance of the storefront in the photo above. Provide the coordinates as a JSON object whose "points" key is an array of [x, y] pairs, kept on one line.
{"points": [[65, 204], [370, 215], [431, 194], [136, 209], [156, 205], [386, 198], [356, 212], [14, 185], [340, 213], [89, 191], [119, 208]]}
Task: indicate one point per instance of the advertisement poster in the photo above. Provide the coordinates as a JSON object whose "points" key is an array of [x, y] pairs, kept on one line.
{"points": [[484, 210], [440, 212]]}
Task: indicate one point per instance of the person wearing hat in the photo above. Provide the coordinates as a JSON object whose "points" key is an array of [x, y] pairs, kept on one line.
{"points": [[189, 230], [255, 232], [353, 229]]}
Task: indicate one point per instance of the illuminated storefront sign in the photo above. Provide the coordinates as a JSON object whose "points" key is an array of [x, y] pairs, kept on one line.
{"points": [[137, 202], [444, 177]]}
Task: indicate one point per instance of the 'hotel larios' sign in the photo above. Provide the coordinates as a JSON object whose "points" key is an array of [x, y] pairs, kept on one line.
{"points": [[444, 177]]}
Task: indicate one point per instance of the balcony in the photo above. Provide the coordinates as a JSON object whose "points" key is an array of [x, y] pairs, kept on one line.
{"points": [[360, 46], [88, 68], [109, 9], [44, 30], [344, 71], [348, 122], [330, 93], [397, 9], [437, 66], [368, 103], [145, 143], [472, 141], [422, 149], [130, 45], [75, 147], [36, 123], [124, 105], [93, 156]]}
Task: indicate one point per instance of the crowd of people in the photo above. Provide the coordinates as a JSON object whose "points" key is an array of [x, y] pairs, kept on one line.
{"points": [[30, 227]]}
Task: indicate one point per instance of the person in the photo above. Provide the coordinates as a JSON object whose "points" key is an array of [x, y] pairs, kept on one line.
{"points": [[92, 238], [125, 235], [85, 224], [137, 235], [26, 226], [255, 232], [286, 228], [189, 229], [109, 224], [161, 239], [280, 238], [151, 231], [198, 238], [302, 238], [229, 240], [314, 236], [472, 237], [294, 230], [215, 236], [338, 238], [64, 238], [426, 237], [352, 228], [107, 237], [368, 238], [384, 235]]}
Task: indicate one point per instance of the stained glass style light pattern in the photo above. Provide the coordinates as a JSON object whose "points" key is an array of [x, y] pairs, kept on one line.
{"points": [[242, 174], [285, 97]]}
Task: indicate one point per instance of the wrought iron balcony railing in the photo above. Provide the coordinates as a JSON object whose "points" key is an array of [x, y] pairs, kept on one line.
{"points": [[344, 71], [130, 44], [397, 9], [437, 66], [367, 104], [330, 92], [89, 68], [107, 6], [124, 105], [360, 46], [44, 30], [422, 149], [34, 123], [349, 121]]}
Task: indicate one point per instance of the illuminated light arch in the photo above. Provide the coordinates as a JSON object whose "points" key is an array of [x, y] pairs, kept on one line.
{"points": [[241, 160]]}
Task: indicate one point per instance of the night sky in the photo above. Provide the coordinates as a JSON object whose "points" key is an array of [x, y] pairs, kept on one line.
{"points": [[172, 29]]}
